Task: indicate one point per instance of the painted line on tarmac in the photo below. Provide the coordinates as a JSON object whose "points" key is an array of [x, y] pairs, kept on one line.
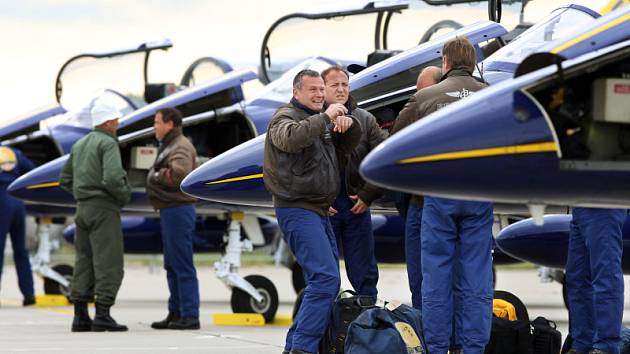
{"points": [[44, 308]]}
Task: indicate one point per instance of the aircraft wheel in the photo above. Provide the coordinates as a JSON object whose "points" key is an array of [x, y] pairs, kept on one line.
{"points": [[297, 304], [51, 287], [242, 302], [297, 277]]}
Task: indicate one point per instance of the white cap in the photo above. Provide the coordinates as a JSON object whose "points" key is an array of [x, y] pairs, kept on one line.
{"points": [[102, 112]]}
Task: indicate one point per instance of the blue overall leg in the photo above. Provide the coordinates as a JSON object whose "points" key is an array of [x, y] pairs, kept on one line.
{"points": [[413, 254], [20, 253], [439, 238], [178, 224], [13, 223], [456, 246], [595, 278], [312, 241], [354, 236], [474, 276]]}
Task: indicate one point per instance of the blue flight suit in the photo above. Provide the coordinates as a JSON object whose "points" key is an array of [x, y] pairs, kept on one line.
{"points": [[413, 254], [12, 222], [355, 237], [312, 241], [594, 278], [457, 274]]}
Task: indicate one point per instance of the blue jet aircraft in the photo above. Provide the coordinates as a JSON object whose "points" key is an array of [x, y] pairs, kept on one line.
{"points": [[555, 136], [236, 176], [237, 123], [48, 133]]}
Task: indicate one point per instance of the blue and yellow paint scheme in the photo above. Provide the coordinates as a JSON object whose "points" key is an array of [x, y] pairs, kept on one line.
{"points": [[235, 176], [41, 185], [502, 144]]}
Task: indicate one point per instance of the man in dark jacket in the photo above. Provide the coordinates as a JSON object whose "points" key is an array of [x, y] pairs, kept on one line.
{"points": [[176, 159], [13, 164], [456, 235], [351, 219], [429, 76], [302, 173], [95, 177]]}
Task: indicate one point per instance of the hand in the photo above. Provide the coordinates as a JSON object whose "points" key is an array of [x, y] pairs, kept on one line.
{"points": [[332, 211], [335, 110], [359, 207], [342, 124]]}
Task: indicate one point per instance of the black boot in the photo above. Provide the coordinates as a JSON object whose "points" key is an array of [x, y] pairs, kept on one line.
{"points": [[82, 321], [103, 322], [184, 323], [28, 301], [164, 323]]}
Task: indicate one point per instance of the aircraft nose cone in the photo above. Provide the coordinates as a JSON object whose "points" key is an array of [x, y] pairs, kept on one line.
{"points": [[233, 177], [41, 184], [460, 149]]}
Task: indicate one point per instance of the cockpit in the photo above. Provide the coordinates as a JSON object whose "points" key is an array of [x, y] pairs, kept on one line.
{"points": [[558, 24]]}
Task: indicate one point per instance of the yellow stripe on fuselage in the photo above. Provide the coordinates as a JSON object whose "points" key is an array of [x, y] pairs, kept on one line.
{"points": [[495, 151], [237, 179], [612, 5], [590, 34], [44, 185]]}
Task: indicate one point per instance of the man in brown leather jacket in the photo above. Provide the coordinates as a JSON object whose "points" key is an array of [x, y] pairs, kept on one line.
{"points": [[176, 159], [351, 219], [302, 173]]}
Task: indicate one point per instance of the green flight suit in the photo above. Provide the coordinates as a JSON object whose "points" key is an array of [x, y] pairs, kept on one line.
{"points": [[95, 177]]}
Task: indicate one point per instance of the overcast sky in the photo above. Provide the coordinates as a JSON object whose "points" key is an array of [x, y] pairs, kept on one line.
{"points": [[38, 36]]}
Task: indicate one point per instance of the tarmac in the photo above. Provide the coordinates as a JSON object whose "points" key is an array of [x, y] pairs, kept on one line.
{"points": [[142, 299]]}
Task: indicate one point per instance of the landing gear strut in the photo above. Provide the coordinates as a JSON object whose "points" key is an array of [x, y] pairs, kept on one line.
{"points": [[253, 293], [56, 279]]}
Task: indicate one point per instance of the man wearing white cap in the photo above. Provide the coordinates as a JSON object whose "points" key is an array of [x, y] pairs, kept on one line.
{"points": [[95, 177]]}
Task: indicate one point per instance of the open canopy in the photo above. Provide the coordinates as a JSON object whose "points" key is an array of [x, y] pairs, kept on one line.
{"points": [[364, 32]]}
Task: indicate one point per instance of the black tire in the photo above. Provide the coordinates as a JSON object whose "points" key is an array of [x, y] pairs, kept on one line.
{"points": [[242, 302], [521, 310], [297, 278], [51, 287], [297, 304]]}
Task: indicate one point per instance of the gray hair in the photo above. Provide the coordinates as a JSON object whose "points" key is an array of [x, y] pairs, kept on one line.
{"points": [[297, 80]]}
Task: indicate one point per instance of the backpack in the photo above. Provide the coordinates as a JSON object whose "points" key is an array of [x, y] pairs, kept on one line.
{"points": [[547, 339], [344, 311], [509, 337], [392, 330], [511, 331]]}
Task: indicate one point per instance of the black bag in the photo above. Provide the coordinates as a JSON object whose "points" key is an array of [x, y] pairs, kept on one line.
{"points": [[547, 339], [344, 311], [509, 337]]}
